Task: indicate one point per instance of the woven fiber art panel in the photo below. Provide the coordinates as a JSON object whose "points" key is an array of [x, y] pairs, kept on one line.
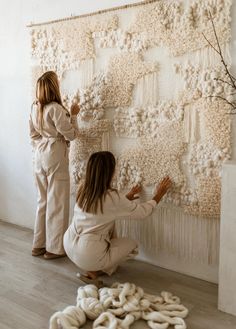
{"points": [[144, 77]]}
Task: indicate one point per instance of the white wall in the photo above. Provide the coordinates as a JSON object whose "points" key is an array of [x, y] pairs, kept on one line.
{"points": [[17, 192], [227, 268]]}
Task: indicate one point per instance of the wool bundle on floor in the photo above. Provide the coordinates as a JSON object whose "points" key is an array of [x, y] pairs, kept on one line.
{"points": [[120, 306], [150, 88]]}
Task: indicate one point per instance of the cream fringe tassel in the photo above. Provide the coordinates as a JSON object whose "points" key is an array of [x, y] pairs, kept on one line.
{"points": [[185, 236], [106, 141], [191, 125], [146, 90], [207, 57], [86, 73]]}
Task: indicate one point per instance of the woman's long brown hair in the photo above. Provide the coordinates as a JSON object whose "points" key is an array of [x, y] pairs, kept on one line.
{"points": [[47, 91], [99, 172]]}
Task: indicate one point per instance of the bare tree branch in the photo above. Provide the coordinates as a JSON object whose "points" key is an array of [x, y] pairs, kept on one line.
{"points": [[233, 111], [232, 76], [232, 79], [232, 94], [218, 79], [219, 51], [210, 43], [224, 99]]}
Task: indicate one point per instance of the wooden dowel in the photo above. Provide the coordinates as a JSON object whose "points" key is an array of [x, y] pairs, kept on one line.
{"points": [[93, 13]]}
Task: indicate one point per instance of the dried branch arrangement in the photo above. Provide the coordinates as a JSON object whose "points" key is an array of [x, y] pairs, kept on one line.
{"points": [[229, 78]]}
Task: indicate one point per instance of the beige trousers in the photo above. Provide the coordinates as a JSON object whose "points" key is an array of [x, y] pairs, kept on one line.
{"points": [[51, 169], [94, 252]]}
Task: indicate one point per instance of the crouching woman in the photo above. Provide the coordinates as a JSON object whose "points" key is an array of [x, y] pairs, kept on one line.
{"points": [[90, 240]]}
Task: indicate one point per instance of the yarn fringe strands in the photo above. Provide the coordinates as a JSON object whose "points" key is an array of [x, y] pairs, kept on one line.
{"points": [[86, 73], [146, 90], [207, 58], [119, 307], [172, 231], [191, 125]]}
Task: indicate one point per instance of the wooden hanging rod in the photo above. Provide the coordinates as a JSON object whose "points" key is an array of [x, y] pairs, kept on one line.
{"points": [[94, 13]]}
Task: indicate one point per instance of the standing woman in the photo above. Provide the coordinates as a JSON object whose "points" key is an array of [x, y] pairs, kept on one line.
{"points": [[51, 127]]}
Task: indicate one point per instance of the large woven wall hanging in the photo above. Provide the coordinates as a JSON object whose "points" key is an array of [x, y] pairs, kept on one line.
{"points": [[145, 77]]}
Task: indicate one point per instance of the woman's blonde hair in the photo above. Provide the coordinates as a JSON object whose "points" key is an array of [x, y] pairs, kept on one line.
{"points": [[99, 172], [47, 91]]}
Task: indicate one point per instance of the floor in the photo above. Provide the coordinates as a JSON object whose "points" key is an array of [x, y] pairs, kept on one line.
{"points": [[32, 289]]}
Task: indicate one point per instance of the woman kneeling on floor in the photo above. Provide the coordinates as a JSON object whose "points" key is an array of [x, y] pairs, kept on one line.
{"points": [[90, 240]]}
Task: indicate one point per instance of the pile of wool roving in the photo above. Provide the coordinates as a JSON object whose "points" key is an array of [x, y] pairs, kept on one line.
{"points": [[119, 306]]}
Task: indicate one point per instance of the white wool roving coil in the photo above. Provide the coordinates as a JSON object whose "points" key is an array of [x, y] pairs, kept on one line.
{"points": [[120, 306], [87, 300], [91, 306], [71, 318]]}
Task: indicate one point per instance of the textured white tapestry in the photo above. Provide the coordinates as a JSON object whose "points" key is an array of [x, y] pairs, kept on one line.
{"points": [[144, 76]]}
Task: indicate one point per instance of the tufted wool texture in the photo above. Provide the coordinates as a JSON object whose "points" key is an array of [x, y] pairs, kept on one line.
{"points": [[138, 121], [87, 143], [123, 72], [200, 83], [156, 156], [63, 45], [170, 24]]}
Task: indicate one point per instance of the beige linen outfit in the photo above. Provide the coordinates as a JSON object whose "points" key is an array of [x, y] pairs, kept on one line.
{"points": [[51, 169], [89, 241]]}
